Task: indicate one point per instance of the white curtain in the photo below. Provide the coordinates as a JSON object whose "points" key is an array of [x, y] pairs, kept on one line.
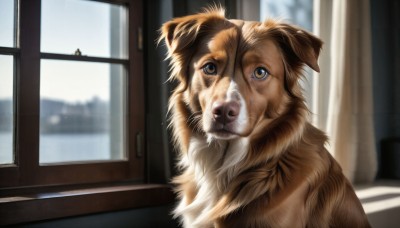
{"points": [[342, 92]]}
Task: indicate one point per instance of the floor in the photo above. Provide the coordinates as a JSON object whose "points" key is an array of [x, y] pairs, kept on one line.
{"points": [[381, 202]]}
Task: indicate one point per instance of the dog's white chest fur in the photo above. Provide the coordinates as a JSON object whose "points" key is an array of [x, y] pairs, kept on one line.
{"points": [[213, 163]]}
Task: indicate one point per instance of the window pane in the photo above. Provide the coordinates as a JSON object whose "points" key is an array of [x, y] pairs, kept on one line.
{"points": [[299, 12], [7, 13], [6, 109], [95, 28], [82, 111]]}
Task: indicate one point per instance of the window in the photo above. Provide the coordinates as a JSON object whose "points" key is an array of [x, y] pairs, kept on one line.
{"points": [[298, 12], [8, 49], [71, 92], [6, 109], [72, 110], [82, 100], [82, 111]]}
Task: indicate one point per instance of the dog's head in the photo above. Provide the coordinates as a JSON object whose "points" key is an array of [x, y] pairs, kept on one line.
{"points": [[236, 76]]}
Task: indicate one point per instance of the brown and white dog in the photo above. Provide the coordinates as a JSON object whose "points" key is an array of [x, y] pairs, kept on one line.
{"points": [[248, 156]]}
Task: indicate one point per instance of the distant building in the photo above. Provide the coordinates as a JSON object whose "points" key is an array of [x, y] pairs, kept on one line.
{"points": [[62, 117]]}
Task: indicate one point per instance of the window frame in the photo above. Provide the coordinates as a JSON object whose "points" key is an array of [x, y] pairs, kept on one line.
{"points": [[30, 192], [26, 171]]}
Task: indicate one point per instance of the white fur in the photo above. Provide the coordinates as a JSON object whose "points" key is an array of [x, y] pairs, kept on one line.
{"points": [[233, 94], [213, 164], [240, 124]]}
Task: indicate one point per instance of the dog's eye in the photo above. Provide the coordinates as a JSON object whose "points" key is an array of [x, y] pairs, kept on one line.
{"points": [[210, 69], [260, 73]]}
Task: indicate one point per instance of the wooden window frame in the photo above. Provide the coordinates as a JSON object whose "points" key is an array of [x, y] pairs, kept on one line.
{"points": [[26, 185], [27, 171]]}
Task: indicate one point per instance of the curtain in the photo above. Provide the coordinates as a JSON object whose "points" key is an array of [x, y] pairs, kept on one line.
{"points": [[342, 92]]}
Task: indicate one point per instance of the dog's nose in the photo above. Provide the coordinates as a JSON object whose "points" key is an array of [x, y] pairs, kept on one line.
{"points": [[225, 112]]}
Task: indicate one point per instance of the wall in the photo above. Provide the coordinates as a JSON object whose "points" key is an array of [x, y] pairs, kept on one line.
{"points": [[385, 24]]}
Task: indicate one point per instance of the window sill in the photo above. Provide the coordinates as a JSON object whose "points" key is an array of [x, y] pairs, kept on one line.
{"points": [[21, 206]]}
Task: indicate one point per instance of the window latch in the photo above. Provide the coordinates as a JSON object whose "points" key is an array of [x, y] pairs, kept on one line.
{"points": [[140, 38], [78, 52]]}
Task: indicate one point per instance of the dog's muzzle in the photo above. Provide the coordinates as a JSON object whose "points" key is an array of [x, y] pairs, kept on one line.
{"points": [[224, 119]]}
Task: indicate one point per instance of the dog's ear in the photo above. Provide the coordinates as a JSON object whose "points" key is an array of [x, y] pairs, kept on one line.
{"points": [[181, 32], [300, 43]]}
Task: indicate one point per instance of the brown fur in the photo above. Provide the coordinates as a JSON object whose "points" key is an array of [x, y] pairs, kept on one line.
{"points": [[282, 176]]}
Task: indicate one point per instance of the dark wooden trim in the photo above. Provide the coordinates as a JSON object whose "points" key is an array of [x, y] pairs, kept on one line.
{"points": [[41, 204], [87, 173], [9, 175], [136, 107], [8, 51], [83, 58], [121, 2], [28, 93]]}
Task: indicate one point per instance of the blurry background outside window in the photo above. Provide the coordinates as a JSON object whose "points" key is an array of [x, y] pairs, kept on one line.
{"points": [[83, 102], [8, 45]]}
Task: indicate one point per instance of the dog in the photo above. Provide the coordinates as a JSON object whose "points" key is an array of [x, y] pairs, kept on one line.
{"points": [[247, 154]]}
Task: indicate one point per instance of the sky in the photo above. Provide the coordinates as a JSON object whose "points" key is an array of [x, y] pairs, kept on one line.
{"points": [[67, 25], [298, 12]]}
